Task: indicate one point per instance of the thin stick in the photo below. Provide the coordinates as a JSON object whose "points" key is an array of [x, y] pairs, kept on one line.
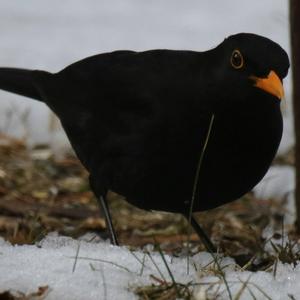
{"points": [[157, 268], [76, 258], [193, 200], [199, 167], [104, 261], [195, 185]]}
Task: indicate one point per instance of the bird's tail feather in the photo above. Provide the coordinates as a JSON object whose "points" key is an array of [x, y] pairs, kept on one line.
{"points": [[23, 82]]}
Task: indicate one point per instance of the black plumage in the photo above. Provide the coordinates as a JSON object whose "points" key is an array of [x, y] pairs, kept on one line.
{"points": [[138, 120]]}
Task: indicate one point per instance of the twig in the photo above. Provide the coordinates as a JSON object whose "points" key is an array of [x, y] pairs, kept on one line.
{"points": [[76, 258], [104, 261], [195, 185]]}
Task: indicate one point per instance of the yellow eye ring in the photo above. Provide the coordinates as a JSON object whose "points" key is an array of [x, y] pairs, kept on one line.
{"points": [[237, 60]]}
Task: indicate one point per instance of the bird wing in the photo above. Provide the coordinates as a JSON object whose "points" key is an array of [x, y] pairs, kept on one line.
{"points": [[132, 117]]}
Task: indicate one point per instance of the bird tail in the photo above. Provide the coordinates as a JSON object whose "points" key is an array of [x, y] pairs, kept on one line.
{"points": [[26, 83]]}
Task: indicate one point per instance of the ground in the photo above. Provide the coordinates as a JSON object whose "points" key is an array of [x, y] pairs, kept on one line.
{"points": [[40, 194]]}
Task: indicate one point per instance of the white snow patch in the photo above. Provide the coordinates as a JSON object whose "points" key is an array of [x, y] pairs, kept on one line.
{"points": [[104, 271], [278, 183]]}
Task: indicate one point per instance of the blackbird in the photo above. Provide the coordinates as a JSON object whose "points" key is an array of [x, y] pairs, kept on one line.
{"points": [[171, 130]]}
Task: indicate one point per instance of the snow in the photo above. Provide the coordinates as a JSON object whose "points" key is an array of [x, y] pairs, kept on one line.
{"points": [[279, 183], [103, 271]]}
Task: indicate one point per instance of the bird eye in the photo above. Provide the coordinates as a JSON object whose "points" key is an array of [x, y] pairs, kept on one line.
{"points": [[237, 60]]}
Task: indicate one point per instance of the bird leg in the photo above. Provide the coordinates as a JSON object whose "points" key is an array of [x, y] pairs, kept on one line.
{"points": [[210, 247], [108, 220]]}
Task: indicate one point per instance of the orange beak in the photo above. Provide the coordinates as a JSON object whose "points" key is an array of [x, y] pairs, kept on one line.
{"points": [[271, 84]]}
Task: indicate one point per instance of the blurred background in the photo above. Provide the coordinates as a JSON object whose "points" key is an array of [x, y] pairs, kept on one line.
{"points": [[52, 34]]}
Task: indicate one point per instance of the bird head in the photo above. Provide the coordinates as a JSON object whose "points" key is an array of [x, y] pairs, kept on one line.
{"points": [[253, 64]]}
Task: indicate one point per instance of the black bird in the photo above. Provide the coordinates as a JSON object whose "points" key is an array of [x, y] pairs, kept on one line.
{"points": [[138, 121]]}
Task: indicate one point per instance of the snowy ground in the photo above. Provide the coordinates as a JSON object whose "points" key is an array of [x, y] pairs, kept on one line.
{"points": [[102, 271], [52, 34]]}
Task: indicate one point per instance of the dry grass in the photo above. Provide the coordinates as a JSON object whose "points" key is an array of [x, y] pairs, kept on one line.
{"points": [[39, 194], [40, 294]]}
